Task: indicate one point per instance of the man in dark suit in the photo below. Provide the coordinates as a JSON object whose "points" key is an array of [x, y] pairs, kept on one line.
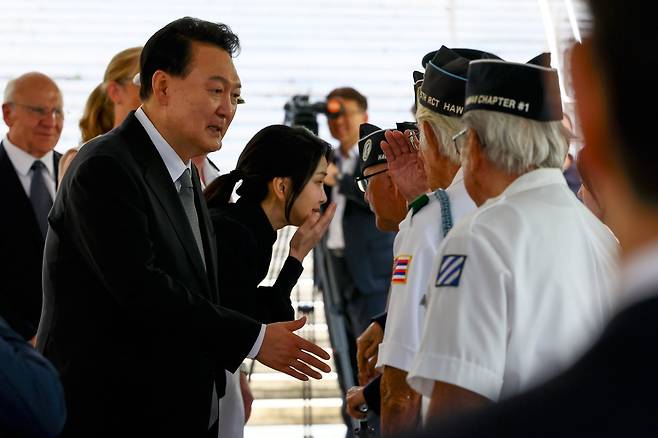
{"points": [[612, 390], [32, 108], [131, 316]]}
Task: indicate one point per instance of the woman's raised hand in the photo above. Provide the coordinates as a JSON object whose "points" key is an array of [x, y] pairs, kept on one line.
{"points": [[310, 232]]}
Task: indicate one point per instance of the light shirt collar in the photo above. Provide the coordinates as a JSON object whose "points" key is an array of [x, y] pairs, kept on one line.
{"points": [[534, 179], [175, 166], [530, 180], [459, 177], [22, 161], [640, 274]]}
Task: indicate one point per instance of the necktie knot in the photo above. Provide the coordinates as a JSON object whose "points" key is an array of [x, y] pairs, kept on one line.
{"points": [[37, 166], [185, 180]]}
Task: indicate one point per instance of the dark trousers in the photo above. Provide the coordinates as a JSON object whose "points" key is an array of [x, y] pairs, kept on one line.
{"points": [[358, 309]]}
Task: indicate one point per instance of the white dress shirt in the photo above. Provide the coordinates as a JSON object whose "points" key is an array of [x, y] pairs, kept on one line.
{"points": [[639, 275], [520, 288], [176, 167], [335, 236], [414, 261], [23, 161]]}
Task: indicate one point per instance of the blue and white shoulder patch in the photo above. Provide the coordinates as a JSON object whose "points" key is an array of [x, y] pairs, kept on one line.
{"points": [[450, 270]]}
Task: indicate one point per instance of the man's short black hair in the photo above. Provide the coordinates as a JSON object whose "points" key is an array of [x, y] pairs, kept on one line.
{"points": [[350, 93], [624, 40], [170, 48]]}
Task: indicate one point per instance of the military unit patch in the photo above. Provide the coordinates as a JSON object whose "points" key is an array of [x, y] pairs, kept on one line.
{"points": [[401, 269], [450, 271]]}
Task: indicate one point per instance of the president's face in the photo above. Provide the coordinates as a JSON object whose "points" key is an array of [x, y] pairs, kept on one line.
{"points": [[202, 104]]}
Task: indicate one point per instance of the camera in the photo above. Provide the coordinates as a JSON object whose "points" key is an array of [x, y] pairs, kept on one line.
{"points": [[300, 112]]}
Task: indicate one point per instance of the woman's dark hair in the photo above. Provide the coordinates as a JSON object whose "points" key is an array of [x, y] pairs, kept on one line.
{"points": [[275, 151]]}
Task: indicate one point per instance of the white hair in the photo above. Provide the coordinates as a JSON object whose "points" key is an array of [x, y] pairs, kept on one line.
{"points": [[516, 144], [444, 127], [9, 91]]}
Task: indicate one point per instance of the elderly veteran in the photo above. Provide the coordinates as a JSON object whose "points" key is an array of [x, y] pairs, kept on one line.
{"points": [[430, 217], [389, 207], [506, 308]]}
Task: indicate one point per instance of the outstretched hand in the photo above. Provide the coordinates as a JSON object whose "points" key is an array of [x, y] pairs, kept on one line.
{"points": [[286, 352], [310, 232], [405, 165]]}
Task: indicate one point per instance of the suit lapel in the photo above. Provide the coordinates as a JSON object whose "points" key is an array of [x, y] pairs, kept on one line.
{"points": [[56, 157], [14, 195], [159, 181]]}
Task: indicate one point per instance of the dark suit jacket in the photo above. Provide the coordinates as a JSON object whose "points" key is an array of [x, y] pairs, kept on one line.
{"points": [[31, 397], [368, 251], [611, 391], [244, 240], [131, 319], [21, 252]]}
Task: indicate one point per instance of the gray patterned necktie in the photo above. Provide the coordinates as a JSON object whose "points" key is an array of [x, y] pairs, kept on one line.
{"points": [[40, 196], [186, 195]]}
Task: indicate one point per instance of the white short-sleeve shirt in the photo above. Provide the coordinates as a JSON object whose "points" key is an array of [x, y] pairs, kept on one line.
{"points": [[413, 263], [519, 289]]}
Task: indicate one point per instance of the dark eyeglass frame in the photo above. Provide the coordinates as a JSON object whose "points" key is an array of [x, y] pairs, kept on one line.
{"points": [[362, 181]]}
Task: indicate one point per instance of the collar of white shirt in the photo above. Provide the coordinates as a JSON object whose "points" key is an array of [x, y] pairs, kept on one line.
{"points": [[459, 177], [640, 274], [22, 161], [532, 180], [175, 166]]}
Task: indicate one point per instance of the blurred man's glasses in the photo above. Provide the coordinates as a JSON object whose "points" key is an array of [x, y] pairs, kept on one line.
{"points": [[362, 181], [40, 111]]}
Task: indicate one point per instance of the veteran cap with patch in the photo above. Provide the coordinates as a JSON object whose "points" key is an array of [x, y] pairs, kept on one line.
{"points": [[529, 90], [444, 82], [370, 150], [418, 81]]}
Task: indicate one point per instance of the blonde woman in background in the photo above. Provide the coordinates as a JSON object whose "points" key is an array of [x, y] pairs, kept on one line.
{"points": [[110, 102]]}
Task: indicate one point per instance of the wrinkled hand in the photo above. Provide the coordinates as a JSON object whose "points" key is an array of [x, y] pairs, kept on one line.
{"points": [[247, 396], [405, 165], [310, 232], [354, 399], [286, 352], [367, 348]]}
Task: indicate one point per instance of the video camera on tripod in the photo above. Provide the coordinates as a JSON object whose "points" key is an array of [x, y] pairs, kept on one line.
{"points": [[300, 112]]}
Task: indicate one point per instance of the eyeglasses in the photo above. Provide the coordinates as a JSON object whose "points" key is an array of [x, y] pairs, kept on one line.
{"points": [[362, 181], [459, 140], [41, 111]]}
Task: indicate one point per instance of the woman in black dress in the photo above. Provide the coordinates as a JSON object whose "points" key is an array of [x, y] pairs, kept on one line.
{"points": [[282, 170]]}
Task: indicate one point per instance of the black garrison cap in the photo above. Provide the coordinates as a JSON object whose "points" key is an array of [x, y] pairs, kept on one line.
{"points": [[529, 90], [444, 82]]}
